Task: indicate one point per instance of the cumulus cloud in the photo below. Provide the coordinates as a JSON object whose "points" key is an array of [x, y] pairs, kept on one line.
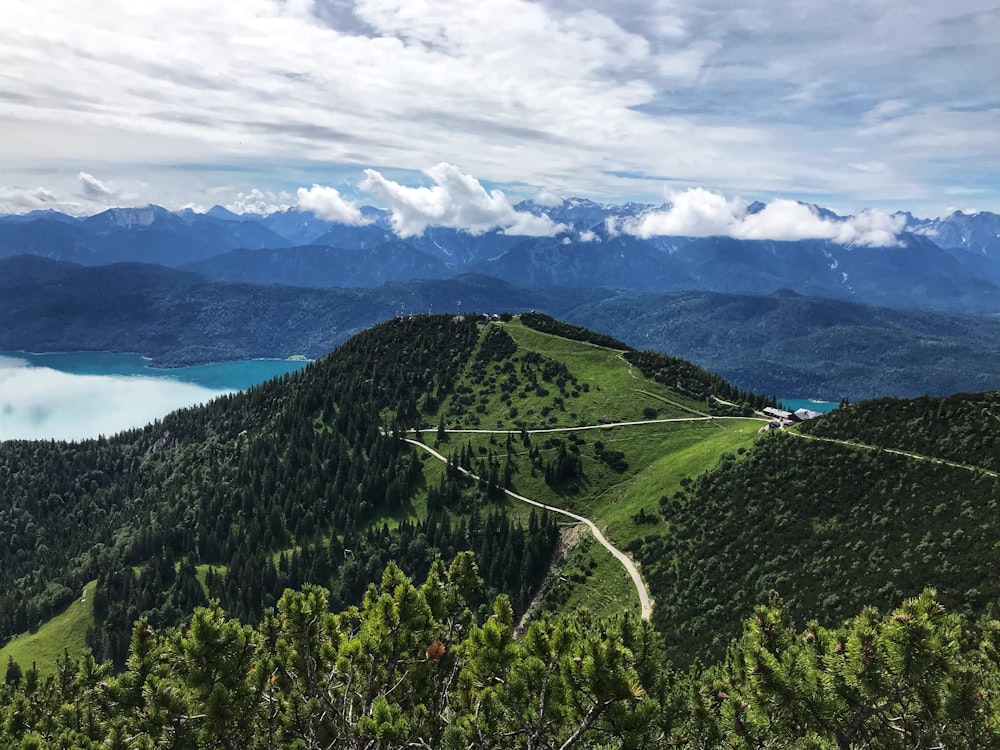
{"points": [[327, 203], [456, 200], [94, 189], [701, 213], [547, 198], [261, 202], [694, 213], [19, 200], [38, 403]]}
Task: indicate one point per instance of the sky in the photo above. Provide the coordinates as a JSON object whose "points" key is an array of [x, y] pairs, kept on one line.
{"points": [[451, 111]]}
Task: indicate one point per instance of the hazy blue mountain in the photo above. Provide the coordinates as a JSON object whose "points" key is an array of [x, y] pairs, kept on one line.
{"points": [[41, 213], [794, 346], [355, 237], [583, 213], [785, 344], [621, 261], [916, 274], [298, 227], [20, 270], [978, 233], [462, 249], [55, 239], [316, 265], [180, 317], [152, 234], [221, 212], [947, 264]]}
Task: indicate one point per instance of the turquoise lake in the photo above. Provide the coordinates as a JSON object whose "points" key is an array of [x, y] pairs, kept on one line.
{"points": [[79, 395], [237, 375], [793, 404]]}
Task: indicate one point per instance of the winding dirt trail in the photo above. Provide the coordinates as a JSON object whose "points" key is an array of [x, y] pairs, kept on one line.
{"points": [[645, 602], [603, 426], [543, 430], [907, 454]]}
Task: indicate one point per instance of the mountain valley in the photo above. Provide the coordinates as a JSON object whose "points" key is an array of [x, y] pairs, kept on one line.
{"points": [[588, 494], [319, 478]]}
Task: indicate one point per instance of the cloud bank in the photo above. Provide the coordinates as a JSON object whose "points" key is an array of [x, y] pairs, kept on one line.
{"points": [[38, 403], [456, 200], [842, 103], [327, 203], [701, 213], [21, 200], [259, 201]]}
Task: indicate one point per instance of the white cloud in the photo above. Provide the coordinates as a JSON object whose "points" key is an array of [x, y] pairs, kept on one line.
{"points": [[39, 403], [327, 203], [456, 200], [95, 190], [547, 198], [701, 213], [789, 220], [595, 98], [259, 201], [589, 236], [19, 200], [694, 213]]}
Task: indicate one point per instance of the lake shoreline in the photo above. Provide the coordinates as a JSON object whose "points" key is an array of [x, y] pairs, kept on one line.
{"points": [[156, 362], [81, 395]]}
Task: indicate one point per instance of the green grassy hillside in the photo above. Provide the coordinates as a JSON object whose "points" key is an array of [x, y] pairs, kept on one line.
{"points": [[530, 401], [64, 633]]}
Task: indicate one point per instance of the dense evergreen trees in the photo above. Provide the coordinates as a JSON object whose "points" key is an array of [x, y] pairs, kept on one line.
{"points": [[288, 487], [414, 667], [279, 487], [691, 380], [960, 428], [828, 527], [548, 324], [297, 464]]}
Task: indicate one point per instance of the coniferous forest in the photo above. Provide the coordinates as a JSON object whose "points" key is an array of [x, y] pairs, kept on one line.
{"points": [[264, 581]]}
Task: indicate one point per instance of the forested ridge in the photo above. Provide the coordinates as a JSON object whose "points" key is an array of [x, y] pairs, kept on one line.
{"points": [[296, 465], [777, 343], [829, 527], [674, 372], [960, 428]]}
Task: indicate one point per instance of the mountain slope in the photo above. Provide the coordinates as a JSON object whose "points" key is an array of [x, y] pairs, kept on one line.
{"points": [[792, 345], [323, 266], [179, 317], [308, 480], [950, 264], [148, 235], [783, 344], [916, 274], [291, 482], [868, 505]]}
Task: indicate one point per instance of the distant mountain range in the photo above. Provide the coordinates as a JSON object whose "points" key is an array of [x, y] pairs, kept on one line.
{"points": [[806, 317], [782, 344], [950, 264]]}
